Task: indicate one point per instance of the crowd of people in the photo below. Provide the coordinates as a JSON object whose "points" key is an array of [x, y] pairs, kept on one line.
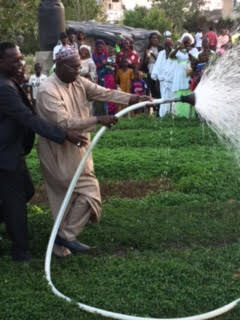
{"points": [[167, 69]]}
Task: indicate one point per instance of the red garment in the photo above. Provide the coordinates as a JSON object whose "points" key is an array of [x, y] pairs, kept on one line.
{"points": [[212, 38], [131, 56], [110, 84]]}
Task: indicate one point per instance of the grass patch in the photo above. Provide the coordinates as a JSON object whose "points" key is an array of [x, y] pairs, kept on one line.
{"points": [[160, 251]]}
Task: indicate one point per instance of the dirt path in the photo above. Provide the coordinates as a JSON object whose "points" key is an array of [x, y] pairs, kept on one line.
{"points": [[124, 189]]}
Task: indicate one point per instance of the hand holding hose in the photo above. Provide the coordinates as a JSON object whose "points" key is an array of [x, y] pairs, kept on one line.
{"points": [[136, 99], [107, 121]]}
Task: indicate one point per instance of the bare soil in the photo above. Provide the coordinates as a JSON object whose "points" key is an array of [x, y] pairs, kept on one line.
{"points": [[124, 189]]}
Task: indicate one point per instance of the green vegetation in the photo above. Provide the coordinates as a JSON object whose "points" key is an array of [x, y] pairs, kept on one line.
{"points": [[170, 252], [175, 15], [153, 18], [19, 17], [82, 10]]}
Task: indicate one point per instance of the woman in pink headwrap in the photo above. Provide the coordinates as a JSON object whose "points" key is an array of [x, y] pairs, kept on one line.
{"points": [[100, 56], [105, 71]]}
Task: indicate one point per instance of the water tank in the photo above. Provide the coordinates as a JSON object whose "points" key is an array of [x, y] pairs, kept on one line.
{"points": [[51, 22]]}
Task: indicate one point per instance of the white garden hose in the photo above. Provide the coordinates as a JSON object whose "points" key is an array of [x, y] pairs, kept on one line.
{"points": [[84, 307]]}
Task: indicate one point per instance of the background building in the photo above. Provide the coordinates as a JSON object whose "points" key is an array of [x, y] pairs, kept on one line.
{"points": [[229, 8], [226, 8], [131, 4], [215, 9], [113, 10]]}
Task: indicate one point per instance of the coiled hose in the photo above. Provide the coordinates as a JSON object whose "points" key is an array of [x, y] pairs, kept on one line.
{"points": [[87, 308]]}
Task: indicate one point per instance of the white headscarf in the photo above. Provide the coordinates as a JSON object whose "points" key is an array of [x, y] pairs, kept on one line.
{"points": [[84, 46]]}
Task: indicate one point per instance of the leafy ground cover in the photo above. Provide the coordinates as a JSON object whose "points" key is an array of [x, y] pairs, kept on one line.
{"points": [[168, 242]]}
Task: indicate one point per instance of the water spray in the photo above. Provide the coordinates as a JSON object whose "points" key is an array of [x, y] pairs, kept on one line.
{"points": [[104, 313]]}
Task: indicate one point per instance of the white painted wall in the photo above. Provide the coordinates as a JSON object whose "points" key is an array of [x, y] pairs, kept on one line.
{"points": [[213, 5], [131, 4]]}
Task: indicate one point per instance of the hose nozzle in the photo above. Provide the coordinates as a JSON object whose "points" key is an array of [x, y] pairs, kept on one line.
{"points": [[191, 99]]}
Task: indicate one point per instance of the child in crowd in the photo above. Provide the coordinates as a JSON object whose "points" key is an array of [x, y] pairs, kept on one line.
{"points": [[124, 77], [35, 81], [138, 86]]}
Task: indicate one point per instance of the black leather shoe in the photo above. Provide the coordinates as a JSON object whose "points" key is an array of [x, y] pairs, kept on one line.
{"points": [[21, 256], [74, 246]]}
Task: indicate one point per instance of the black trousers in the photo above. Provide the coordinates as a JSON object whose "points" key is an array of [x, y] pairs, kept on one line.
{"points": [[154, 88], [16, 188]]}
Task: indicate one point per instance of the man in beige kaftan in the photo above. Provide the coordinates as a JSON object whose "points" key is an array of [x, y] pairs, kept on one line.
{"points": [[63, 99]]}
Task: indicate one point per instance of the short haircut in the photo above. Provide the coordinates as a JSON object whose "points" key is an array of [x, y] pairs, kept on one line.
{"points": [[153, 34], [5, 46], [71, 31], [63, 35], [37, 65]]}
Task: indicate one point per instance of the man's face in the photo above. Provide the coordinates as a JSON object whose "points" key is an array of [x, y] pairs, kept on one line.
{"points": [[99, 48], [68, 69], [12, 63], [187, 42], [38, 69], [155, 40], [126, 45], [71, 38], [64, 41]]}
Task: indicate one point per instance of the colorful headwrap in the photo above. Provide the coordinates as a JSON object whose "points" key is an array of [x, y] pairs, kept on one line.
{"points": [[99, 41], [66, 52], [100, 58]]}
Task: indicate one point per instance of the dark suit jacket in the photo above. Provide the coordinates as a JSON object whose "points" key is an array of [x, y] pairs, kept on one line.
{"points": [[18, 124]]}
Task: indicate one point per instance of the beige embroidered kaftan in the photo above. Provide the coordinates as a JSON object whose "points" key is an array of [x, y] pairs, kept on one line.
{"points": [[67, 105]]}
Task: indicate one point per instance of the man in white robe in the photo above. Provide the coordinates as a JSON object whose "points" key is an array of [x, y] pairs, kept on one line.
{"points": [[163, 71]]}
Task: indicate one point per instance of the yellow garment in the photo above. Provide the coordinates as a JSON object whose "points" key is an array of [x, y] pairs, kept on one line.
{"points": [[235, 37], [123, 78], [67, 105]]}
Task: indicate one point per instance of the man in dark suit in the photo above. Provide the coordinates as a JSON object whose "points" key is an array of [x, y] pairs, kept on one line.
{"points": [[17, 126]]}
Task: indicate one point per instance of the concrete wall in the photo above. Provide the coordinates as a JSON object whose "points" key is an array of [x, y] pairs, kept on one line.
{"points": [[113, 10], [130, 4], [227, 8]]}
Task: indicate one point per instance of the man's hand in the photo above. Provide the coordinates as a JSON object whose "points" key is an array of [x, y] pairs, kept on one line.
{"points": [[107, 121], [136, 99], [76, 138]]}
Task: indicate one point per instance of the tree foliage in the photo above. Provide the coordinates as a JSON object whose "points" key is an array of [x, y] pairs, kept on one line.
{"points": [[19, 17], [82, 10], [141, 17], [195, 20], [176, 10], [134, 18], [156, 19]]}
